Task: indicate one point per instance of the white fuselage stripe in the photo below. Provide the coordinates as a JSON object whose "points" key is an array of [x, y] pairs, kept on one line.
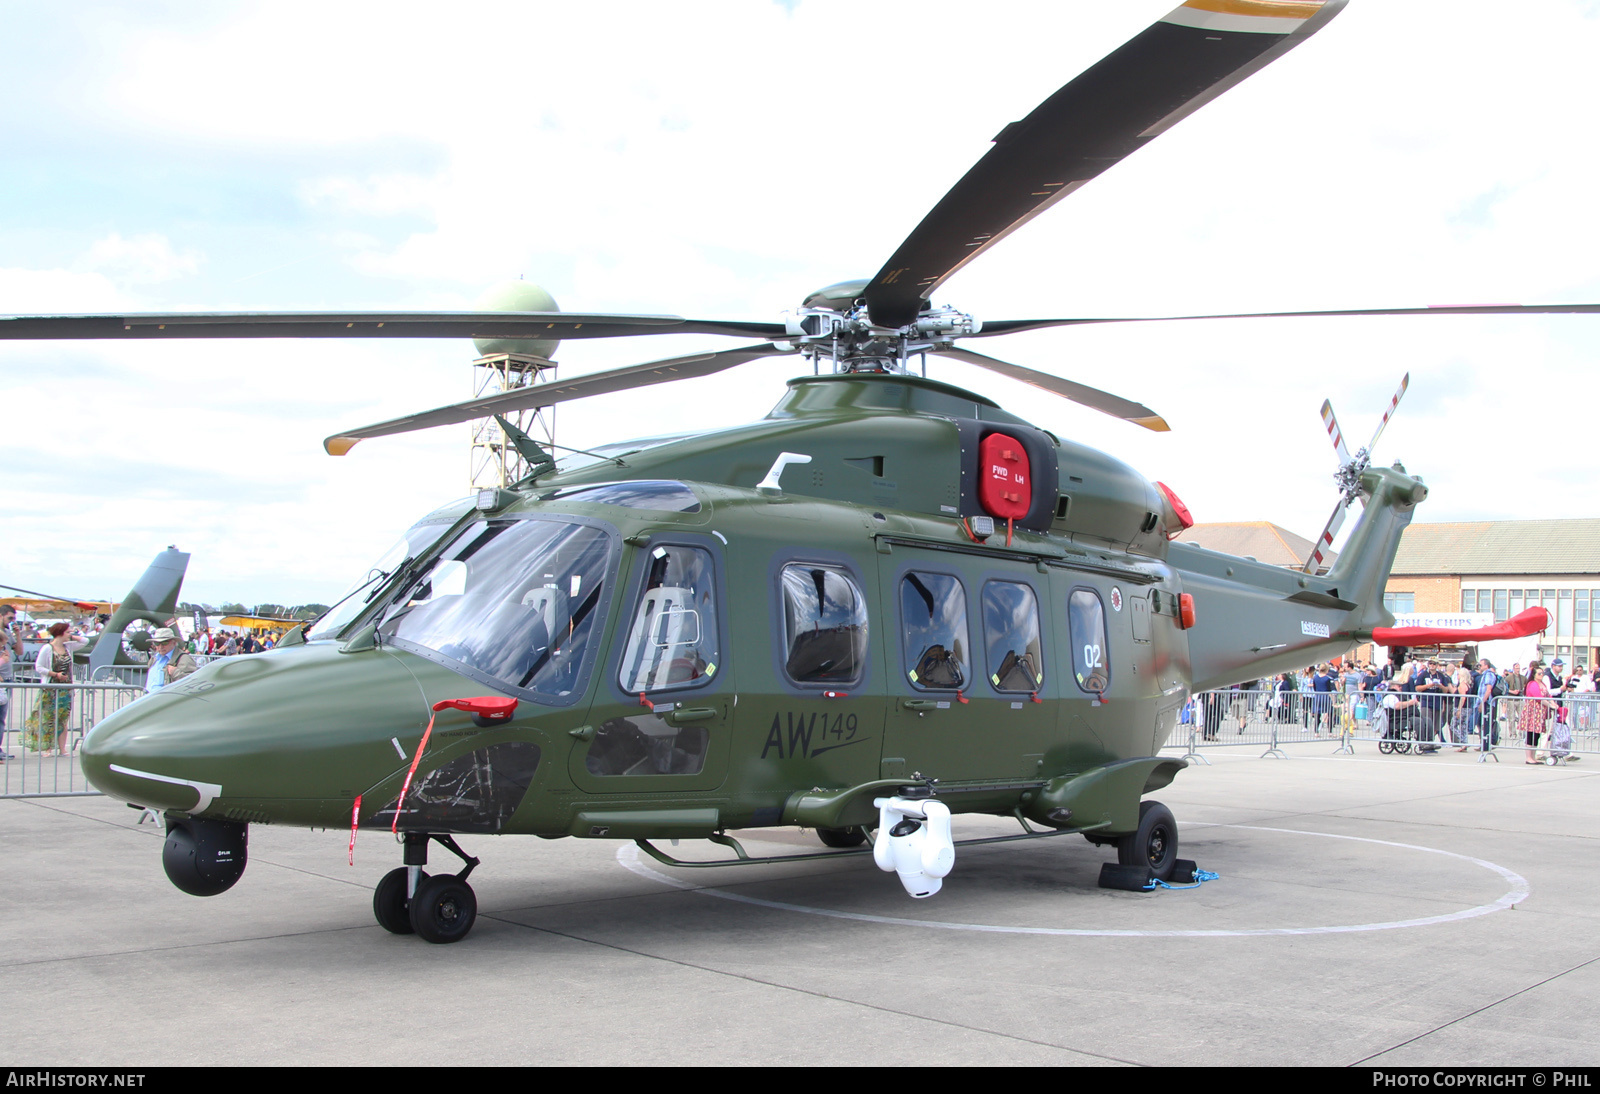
{"points": [[207, 791]]}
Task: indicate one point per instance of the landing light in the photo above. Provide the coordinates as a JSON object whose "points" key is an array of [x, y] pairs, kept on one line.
{"points": [[492, 499]]}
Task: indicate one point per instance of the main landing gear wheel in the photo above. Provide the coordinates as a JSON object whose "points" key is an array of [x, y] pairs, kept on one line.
{"points": [[389, 904], [1155, 844], [443, 909], [842, 837]]}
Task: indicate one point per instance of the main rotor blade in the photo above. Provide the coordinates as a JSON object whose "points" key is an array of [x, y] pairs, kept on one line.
{"points": [[1014, 326], [1405, 382], [1153, 81], [1092, 397], [463, 324], [560, 391]]}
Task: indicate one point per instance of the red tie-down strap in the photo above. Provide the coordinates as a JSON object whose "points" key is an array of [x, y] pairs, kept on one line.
{"points": [[484, 709], [355, 819], [1520, 625]]}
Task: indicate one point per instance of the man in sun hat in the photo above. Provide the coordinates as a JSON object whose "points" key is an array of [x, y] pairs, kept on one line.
{"points": [[168, 663]]}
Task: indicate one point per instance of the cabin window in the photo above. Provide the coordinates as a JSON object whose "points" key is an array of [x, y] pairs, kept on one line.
{"points": [[1011, 630], [824, 625], [644, 744], [933, 609], [673, 640], [1091, 660], [515, 600]]}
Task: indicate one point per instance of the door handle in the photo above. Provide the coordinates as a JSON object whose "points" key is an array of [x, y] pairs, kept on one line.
{"points": [[582, 733], [918, 704], [679, 715]]}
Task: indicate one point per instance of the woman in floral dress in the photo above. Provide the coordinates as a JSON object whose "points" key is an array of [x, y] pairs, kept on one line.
{"points": [[46, 728]]}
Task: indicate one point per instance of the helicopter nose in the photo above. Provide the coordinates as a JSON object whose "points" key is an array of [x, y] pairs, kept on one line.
{"points": [[289, 735]]}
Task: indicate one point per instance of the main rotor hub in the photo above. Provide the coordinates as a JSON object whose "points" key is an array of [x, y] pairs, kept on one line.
{"points": [[851, 341]]}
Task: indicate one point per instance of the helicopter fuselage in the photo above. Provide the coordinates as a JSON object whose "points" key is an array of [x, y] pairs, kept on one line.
{"points": [[693, 652]]}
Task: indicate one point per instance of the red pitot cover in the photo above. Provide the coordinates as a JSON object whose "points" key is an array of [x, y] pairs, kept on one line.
{"points": [[1520, 625]]}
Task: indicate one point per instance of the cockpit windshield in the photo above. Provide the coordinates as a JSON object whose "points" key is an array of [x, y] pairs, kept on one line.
{"points": [[418, 538], [514, 600]]}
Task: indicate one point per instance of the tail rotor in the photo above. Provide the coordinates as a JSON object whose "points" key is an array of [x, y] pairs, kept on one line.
{"points": [[1348, 477]]}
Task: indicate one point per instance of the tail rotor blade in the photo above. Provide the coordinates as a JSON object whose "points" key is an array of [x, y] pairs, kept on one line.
{"points": [[1334, 433], [1083, 394], [1405, 382], [1322, 550]]}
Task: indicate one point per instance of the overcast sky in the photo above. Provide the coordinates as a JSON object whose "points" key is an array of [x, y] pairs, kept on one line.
{"points": [[720, 160]]}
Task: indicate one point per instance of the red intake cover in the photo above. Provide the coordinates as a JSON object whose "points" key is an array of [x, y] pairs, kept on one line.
{"points": [[1004, 486]]}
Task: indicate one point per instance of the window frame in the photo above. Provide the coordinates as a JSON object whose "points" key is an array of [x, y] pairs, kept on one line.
{"points": [[635, 592], [919, 566], [1039, 601], [843, 564], [1072, 637]]}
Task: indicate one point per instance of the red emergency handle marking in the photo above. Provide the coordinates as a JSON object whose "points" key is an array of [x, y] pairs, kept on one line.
{"points": [[646, 703], [497, 707]]}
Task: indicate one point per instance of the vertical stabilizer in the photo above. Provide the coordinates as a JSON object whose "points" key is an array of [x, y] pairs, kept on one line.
{"points": [[154, 599]]}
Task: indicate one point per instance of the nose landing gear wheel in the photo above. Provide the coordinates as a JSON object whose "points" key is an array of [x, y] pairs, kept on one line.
{"points": [[389, 904], [1155, 844], [443, 909]]}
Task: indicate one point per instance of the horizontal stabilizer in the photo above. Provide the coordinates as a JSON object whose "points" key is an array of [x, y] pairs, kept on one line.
{"points": [[1520, 625], [1323, 600]]}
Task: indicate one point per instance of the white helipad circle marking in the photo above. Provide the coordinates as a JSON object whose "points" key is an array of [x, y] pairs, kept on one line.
{"points": [[628, 856]]}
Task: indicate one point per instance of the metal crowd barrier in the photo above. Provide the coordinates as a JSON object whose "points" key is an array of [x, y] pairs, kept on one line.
{"points": [[43, 729], [1266, 719]]}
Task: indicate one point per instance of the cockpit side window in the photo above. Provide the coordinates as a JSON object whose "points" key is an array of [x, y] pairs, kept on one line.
{"points": [[933, 611], [673, 642]]}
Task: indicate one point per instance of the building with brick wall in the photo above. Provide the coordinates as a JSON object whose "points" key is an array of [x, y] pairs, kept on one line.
{"points": [[1497, 568], [1255, 539], [1502, 567]]}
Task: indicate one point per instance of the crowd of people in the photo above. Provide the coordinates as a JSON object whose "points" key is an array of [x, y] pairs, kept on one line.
{"points": [[228, 643], [1434, 703]]}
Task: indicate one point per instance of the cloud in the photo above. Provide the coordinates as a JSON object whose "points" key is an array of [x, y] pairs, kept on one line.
{"points": [[37, 292], [375, 195], [139, 260]]}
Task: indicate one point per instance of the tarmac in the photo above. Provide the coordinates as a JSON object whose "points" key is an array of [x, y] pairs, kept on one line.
{"points": [[1376, 911]]}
